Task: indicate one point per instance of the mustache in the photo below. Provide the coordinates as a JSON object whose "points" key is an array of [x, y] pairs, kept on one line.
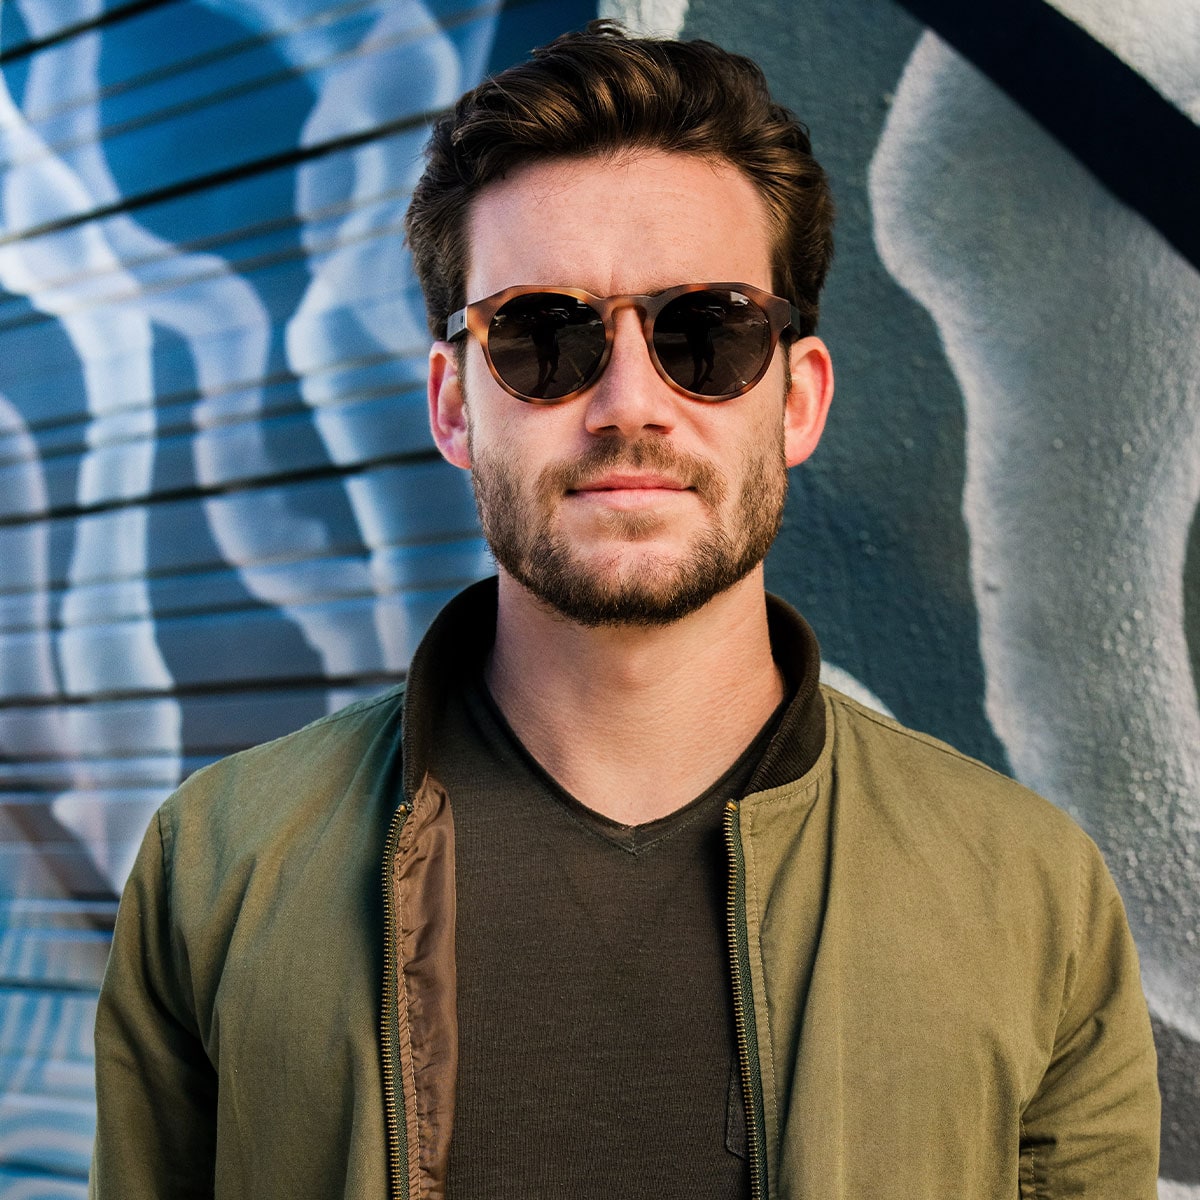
{"points": [[646, 454]]}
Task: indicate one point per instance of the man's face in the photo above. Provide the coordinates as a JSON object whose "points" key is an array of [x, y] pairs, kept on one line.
{"points": [[629, 504]]}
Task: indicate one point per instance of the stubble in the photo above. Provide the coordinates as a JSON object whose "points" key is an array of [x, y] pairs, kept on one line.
{"points": [[520, 524]]}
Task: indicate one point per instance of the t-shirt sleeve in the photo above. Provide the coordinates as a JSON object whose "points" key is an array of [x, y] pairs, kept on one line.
{"points": [[1092, 1129], [156, 1090]]}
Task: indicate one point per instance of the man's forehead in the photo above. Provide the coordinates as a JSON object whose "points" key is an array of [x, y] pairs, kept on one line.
{"points": [[618, 223]]}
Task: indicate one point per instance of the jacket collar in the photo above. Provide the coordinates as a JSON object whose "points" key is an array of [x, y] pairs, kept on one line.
{"points": [[798, 741], [455, 645]]}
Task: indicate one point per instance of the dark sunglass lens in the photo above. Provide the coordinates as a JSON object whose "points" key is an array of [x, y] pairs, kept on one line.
{"points": [[545, 345], [713, 342]]}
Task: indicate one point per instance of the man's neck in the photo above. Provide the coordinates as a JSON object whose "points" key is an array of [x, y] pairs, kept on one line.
{"points": [[635, 722]]}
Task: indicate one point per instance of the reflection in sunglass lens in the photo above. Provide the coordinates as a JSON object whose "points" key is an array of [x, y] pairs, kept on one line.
{"points": [[713, 342], [545, 345]]}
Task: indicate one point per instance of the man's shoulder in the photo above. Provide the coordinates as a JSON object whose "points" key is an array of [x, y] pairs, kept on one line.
{"points": [[353, 751], [931, 822], [921, 778]]}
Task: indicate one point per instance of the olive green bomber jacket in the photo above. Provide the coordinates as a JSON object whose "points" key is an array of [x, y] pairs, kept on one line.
{"points": [[937, 992]]}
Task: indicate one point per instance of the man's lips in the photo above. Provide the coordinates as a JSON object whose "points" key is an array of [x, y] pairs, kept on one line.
{"points": [[630, 492], [631, 483]]}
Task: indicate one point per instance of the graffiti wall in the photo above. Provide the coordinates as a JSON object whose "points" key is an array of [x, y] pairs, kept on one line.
{"points": [[221, 514]]}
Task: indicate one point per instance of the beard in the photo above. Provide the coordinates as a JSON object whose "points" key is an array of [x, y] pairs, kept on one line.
{"points": [[519, 523]]}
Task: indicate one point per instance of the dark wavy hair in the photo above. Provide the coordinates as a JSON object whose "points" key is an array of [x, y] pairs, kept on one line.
{"points": [[602, 91]]}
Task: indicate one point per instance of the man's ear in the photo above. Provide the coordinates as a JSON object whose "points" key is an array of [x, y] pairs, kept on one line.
{"points": [[808, 398], [447, 409]]}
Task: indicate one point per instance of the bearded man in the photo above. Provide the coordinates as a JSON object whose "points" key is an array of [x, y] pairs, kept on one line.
{"points": [[615, 899]]}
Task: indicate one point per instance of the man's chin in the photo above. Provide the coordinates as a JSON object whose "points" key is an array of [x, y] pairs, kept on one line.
{"points": [[619, 611], [604, 534], [645, 594]]}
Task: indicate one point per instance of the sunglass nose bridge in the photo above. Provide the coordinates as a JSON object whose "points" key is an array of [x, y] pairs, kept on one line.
{"points": [[640, 305]]}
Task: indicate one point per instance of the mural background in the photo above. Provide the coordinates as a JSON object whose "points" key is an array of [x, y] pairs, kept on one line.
{"points": [[221, 514]]}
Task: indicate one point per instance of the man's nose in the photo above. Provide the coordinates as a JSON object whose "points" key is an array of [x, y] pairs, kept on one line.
{"points": [[630, 396]]}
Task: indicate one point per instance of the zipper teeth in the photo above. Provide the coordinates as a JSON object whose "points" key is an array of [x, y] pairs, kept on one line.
{"points": [[397, 1146], [740, 961]]}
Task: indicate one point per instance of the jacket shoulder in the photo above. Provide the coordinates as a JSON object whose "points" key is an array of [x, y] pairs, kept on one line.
{"points": [[922, 778], [248, 795], [967, 852]]}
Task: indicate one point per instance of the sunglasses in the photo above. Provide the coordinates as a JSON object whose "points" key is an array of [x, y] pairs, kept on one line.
{"points": [[708, 341]]}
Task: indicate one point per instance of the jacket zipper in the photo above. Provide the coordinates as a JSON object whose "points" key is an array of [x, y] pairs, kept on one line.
{"points": [[743, 1011], [389, 1034], [743, 1004]]}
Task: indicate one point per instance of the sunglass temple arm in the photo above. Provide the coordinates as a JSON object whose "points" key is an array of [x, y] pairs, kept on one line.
{"points": [[456, 324]]}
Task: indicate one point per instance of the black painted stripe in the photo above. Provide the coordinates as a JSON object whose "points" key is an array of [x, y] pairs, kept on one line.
{"points": [[110, 17], [191, 492], [214, 179], [289, 683], [1134, 140]]}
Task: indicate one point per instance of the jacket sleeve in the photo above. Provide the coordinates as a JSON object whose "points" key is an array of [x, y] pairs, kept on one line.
{"points": [[1092, 1129], [156, 1089]]}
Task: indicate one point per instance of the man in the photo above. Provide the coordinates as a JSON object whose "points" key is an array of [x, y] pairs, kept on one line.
{"points": [[616, 900]]}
